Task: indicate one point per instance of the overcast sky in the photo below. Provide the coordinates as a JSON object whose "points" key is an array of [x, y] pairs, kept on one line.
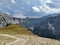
{"points": [[30, 8]]}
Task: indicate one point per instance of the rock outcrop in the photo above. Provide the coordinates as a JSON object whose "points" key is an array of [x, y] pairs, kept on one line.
{"points": [[6, 19]]}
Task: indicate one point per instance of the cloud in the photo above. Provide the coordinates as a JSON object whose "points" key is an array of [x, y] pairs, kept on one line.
{"points": [[49, 1], [48, 10], [35, 8], [13, 1], [19, 16], [45, 1], [30, 7]]}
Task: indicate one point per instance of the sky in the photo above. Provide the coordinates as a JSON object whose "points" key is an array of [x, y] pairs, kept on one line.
{"points": [[29, 8]]}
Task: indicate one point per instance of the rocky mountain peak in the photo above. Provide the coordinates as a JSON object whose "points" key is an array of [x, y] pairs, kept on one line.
{"points": [[6, 19]]}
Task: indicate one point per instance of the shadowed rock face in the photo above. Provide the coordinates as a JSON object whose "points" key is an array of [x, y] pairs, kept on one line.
{"points": [[6, 19], [49, 27]]}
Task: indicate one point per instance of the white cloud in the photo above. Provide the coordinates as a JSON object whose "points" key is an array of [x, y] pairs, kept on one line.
{"points": [[48, 10], [35, 8], [49, 1], [19, 16], [45, 1], [34, 17], [13, 1]]}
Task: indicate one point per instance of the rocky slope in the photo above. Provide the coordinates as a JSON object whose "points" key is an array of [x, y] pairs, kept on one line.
{"points": [[17, 35], [6, 19], [49, 27]]}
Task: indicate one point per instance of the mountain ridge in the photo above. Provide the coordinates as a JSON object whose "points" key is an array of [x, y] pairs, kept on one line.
{"points": [[6, 19], [49, 27]]}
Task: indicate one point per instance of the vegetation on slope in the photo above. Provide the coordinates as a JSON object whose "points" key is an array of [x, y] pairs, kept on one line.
{"points": [[15, 29]]}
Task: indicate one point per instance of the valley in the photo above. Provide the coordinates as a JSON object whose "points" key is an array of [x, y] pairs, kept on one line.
{"points": [[27, 32]]}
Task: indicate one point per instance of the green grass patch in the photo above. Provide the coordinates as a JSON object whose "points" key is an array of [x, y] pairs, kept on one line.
{"points": [[15, 29]]}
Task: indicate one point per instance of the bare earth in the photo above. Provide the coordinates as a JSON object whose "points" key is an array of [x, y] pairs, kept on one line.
{"points": [[6, 39]]}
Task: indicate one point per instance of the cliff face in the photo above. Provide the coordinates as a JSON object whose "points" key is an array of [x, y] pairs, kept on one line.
{"points": [[49, 27], [6, 19]]}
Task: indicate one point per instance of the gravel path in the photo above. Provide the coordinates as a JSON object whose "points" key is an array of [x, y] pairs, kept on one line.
{"points": [[30, 40]]}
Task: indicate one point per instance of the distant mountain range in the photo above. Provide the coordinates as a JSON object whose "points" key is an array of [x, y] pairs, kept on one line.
{"points": [[49, 26], [32, 22]]}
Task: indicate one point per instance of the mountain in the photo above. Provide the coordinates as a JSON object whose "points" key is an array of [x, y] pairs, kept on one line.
{"points": [[6, 19], [30, 23], [49, 27], [17, 35]]}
